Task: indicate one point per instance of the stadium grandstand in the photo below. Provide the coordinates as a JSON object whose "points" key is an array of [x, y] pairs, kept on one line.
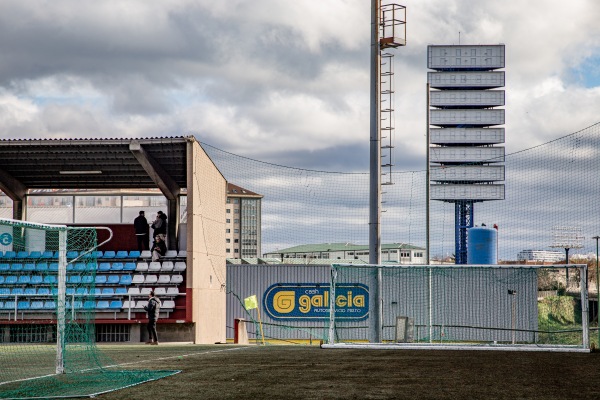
{"points": [[64, 181]]}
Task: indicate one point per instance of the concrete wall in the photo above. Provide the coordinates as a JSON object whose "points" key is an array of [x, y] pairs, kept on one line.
{"points": [[205, 275]]}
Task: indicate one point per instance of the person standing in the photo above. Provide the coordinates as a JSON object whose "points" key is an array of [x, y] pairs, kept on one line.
{"points": [[142, 232], [153, 309], [160, 226]]}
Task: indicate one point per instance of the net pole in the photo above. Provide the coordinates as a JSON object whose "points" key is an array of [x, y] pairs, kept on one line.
{"points": [[430, 305], [584, 308], [332, 304], [60, 301]]}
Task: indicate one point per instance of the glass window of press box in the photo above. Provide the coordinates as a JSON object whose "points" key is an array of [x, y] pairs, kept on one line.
{"points": [[90, 209]]}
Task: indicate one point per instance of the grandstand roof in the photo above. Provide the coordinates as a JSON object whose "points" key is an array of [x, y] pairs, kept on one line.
{"points": [[92, 164]]}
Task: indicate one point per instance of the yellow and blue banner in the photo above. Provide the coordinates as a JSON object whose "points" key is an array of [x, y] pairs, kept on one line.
{"points": [[310, 301]]}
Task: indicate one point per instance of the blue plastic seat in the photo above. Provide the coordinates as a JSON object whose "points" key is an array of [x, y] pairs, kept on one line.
{"points": [[108, 291], [30, 291], [47, 254], [109, 254], [112, 280], [116, 305], [17, 291], [49, 279], [104, 267], [92, 266], [72, 254], [35, 254], [121, 291], [129, 266], [96, 291], [96, 254], [36, 280], [125, 280], [117, 266], [43, 291], [134, 254], [9, 305], [10, 254], [24, 279], [23, 305], [42, 267], [4, 291], [78, 304], [87, 279], [1, 279], [122, 254], [74, 279], [37, 305], [81, 291], [16, 267], [49, 305], [54, 291], [22, 254], [70, 291], [4, 267], [69, 267], [11, 280], [80, 267], [29, 267], [100, 279], [102, 304], [53, 267]]}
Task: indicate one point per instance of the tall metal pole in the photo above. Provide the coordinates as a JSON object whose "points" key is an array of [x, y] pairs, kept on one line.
{"points": [[427, 177], [427, 215], [375, 173]]}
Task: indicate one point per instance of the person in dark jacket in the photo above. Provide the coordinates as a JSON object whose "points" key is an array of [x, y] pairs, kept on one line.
{"points": [[153, 308], [160, 225], [140, 224], [159, 248]]}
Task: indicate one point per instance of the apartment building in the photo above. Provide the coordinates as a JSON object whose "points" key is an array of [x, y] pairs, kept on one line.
{"points": [[242, 223]]}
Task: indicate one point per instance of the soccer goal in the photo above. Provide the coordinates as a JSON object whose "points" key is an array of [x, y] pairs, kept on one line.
{"points": [[483, 307], [47, 314]]}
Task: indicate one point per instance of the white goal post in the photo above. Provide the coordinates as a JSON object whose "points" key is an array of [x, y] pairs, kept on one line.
{"points": [[475, 307]]}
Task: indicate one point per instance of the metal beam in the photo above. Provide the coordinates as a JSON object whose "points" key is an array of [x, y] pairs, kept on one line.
{"points": [[155, 171], [11, 186]]}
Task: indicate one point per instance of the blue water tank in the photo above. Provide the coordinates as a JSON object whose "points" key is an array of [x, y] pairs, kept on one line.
{"points": [[482, 246]]}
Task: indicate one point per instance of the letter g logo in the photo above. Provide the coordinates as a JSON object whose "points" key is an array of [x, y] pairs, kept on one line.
{"points": [[284, 302]]}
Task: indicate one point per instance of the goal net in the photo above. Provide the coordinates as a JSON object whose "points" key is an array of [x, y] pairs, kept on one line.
{"points": [[48, 301], [459, 307]]}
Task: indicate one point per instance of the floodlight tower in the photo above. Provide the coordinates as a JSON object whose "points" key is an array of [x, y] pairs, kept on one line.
{"points": [[464, 165], [388, 31], [567, 237]]}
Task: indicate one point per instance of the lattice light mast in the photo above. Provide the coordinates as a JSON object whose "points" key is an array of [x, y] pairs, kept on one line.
{"points": [[567, 237], [388, 31], [464, 163]]}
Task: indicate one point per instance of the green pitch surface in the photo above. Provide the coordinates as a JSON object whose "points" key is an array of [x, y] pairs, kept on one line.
{"points": [[308, 372]]}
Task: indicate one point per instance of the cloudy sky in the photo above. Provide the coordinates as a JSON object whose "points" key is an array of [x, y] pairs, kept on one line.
{"points": [[278, 80]]}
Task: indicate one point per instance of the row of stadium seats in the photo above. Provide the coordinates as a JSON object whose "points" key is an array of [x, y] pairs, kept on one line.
{"points": [[83, 291], [126, 280], [109, 254], [153, 266], [100, 305]]}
